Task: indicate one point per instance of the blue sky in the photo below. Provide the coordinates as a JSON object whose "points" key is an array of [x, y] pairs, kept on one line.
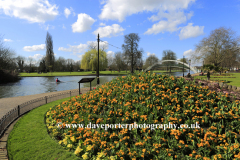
{"points": [[176, 25]]}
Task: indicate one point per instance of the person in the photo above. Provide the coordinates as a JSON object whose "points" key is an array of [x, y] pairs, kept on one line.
{"points": [[57, 80], [208, 75]]}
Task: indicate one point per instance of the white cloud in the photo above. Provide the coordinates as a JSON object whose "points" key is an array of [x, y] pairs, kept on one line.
{"points": [[119, 9], [34, 48], [190, 31], [174, 18], [7, 40], [110, 53], [63, 27], [109, 31], [80, 56], [34, 11], [149, 54], [67, 12], [188, 54], [103, 44], [46, 27], [83, 23], [170, 12], [36, 56], [102, 24], [75, 49]]}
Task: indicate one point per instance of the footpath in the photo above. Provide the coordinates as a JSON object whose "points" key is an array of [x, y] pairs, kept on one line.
{"points": [[7, 104]]}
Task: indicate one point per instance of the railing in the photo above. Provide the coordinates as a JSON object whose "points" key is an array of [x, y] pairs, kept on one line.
{"points": [[12, 115]]}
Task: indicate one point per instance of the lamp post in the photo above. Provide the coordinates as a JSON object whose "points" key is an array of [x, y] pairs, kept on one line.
{"points": [[183, 66], [98, 61], [203, 64], [189, 65]]}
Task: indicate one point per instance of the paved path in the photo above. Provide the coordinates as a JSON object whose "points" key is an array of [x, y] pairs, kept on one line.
{"points": [[7, 104]]}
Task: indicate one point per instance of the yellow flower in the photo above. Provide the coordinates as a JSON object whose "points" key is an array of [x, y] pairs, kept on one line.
{"points": [[65, 141], [85, 156], [78, 150], [69, 145], [60, 142], [100, 154], [112, 158], [73, 139], [89, 148]]}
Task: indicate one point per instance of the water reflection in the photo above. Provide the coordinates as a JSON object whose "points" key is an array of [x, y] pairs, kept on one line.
{"points": [[37, 85]]}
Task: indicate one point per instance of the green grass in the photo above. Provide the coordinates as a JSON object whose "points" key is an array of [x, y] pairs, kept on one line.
{"points": [[29, 139], [231, 81], [59, 74]]}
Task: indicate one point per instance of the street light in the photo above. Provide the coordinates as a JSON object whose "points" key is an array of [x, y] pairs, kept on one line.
{"points": [[183, 66], [203, 64], [189, 65]]}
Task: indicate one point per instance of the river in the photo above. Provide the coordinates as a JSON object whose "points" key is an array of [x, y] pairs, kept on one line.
{"points": [[36, 85]]}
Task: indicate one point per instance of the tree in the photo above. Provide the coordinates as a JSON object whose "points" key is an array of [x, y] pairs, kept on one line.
{"points": [[119, 61], [152, 59], [49, 53], [216, 48], [20, 62], [30, 61], [131, 49], [42, 65], [70, 63], [7, 60], [76, 65], [94, 46], [90, 60], [169, 55]]}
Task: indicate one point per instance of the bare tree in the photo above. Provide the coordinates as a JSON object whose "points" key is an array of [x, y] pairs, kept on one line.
{"points": [[119, 61], [7, 60], [130, 49], [77, 65], [169, 55], [152, 59], [30, 61], [20, 61], [49, 53], [217, 47], [103, 46]]}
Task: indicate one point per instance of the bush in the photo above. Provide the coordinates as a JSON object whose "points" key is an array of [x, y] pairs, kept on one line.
{"points": [[8, 76]]}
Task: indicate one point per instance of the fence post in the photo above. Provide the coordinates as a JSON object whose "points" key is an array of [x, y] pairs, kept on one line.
{"points": [[18, 110], [70, 95], [46, 99]]}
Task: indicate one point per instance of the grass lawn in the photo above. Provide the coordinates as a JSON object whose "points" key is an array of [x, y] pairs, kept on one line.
{"points": [[230, 81], [29, 139], [35, 74], [145, 99]]}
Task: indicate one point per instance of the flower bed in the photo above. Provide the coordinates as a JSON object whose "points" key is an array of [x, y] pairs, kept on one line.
{"points": [[150, 99]]}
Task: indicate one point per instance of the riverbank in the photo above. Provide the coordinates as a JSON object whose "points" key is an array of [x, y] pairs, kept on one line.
{"points": [[90, 73]]}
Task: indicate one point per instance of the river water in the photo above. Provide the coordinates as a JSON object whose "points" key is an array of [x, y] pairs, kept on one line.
{"points": [[36, 85]]}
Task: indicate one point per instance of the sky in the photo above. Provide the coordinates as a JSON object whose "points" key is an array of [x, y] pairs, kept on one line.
{"points": [[176, 25]]}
